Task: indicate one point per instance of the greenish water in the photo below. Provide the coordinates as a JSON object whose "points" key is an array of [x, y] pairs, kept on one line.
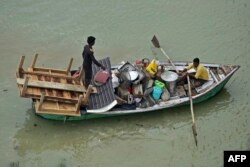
{"points": [[216, 31]]}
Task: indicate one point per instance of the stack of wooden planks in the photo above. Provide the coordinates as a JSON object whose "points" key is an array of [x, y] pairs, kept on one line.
{"points": [[54, 91]]}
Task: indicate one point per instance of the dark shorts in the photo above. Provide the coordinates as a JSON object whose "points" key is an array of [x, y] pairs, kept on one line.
{"points": [[199, 82], [87, 76]]}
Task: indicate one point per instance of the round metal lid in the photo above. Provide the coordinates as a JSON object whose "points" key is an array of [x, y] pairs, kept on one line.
{"points": [[169, 76]]}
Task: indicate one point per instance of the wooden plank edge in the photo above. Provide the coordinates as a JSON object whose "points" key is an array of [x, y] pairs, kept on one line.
{"points": [[20, 67], [55, 85], [34, 61]]}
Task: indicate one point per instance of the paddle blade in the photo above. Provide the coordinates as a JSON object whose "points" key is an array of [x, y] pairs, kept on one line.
{"points": [[155, 42], [195, 134]]}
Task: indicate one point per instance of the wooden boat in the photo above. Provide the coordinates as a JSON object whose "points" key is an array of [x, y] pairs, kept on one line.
{"points": [[58, 95]]}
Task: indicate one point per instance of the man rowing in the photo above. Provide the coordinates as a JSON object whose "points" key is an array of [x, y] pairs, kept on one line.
{"points": [[200, 76]]}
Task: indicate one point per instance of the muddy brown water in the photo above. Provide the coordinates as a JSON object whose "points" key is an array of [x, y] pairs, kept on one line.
{"points": [[216, 31]]}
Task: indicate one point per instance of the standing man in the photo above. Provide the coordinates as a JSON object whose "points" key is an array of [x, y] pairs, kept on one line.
{"points": [[200, 76], [88, 58]]}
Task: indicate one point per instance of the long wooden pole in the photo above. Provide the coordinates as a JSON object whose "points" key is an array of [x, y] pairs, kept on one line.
{"points": [[192, 111], [169, 60], [34, 61], [69, 66], [156, 43]]}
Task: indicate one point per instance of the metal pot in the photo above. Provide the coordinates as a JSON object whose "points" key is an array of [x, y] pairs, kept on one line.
{"points": [[170, 78]]}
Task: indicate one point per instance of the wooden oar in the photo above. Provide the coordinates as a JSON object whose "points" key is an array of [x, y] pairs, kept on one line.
{"points": [[157, 45], [192, 112]]}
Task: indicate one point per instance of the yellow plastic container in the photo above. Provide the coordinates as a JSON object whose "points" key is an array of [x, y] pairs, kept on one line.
{"points": [[152, 67]]}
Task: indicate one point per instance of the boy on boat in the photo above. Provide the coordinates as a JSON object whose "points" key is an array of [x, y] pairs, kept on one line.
{"points": [[200, 76], [88, 58]]}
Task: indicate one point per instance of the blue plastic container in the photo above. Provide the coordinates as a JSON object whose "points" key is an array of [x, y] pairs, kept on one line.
{"points": [[157, 91]]}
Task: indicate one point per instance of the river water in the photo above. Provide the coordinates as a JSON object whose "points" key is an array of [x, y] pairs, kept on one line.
{"points": [[216, 31]]}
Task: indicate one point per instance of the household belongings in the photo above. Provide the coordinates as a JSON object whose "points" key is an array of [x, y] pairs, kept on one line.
{"points": [[152, 67], [101, 77], [157, 89], [132, 84]]}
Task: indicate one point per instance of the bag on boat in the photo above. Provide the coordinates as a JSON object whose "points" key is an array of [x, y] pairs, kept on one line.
{"points": [[101, 77], [165, 96]]}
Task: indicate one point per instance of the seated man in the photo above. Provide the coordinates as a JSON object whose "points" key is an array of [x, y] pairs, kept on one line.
{"points": [[200, 75]]}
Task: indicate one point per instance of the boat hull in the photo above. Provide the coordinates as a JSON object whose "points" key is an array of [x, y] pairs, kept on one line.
{"points": [[209, 94]]}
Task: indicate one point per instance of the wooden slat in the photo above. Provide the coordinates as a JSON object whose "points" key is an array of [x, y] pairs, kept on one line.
{"points": [[41, 101], [34, 61], [23, 91], [220, 73], [36, 69], [48, 74], [49, 107], [49, 92], [214, 77], [34, 89], [20, 67], [54, 85], [53, 90], [66, 93], [57, 104], [58, 93], [69, 66], [216, 74], [34, 92], [78, 105], [221, 76], [81, 76], [86, 97], [49, 97], [60, 112], [226, 69]]}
